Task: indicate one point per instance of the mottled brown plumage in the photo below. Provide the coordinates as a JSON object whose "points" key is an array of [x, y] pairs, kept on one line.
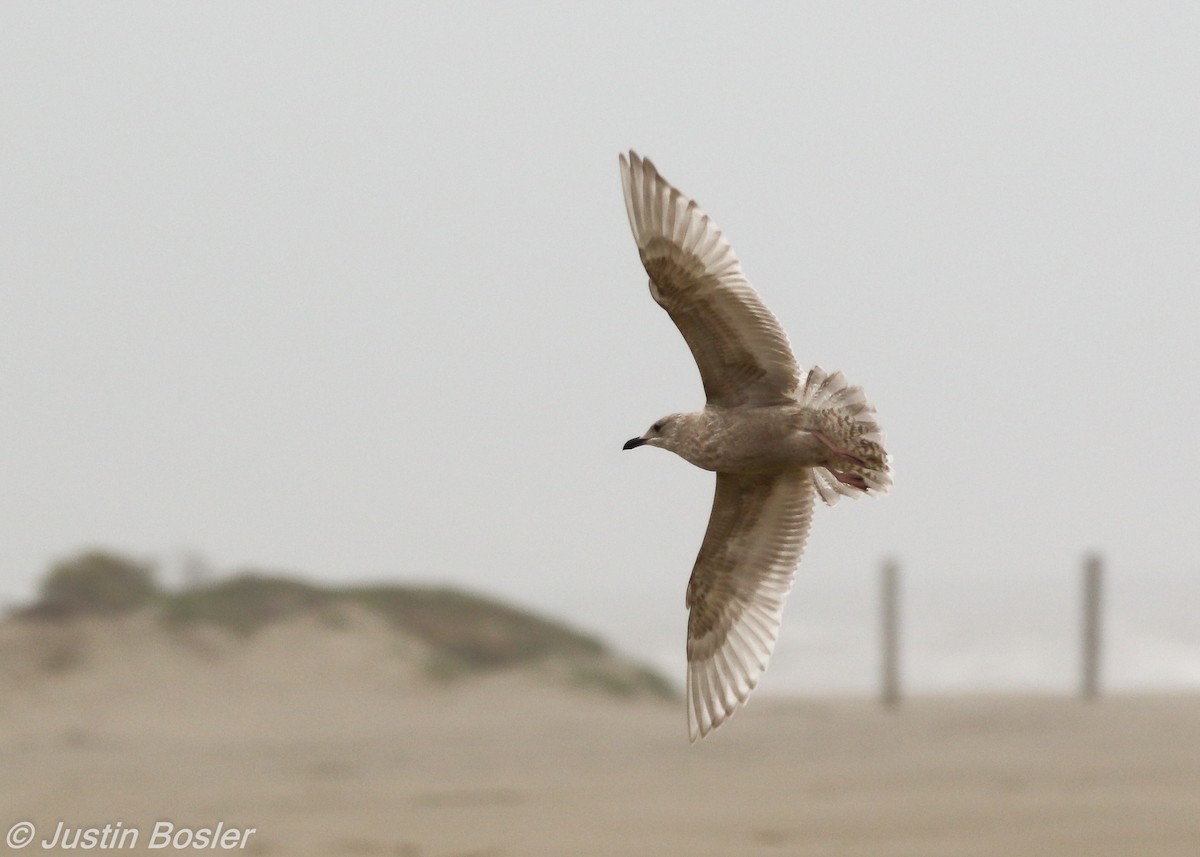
{"points": [[774, 435]]}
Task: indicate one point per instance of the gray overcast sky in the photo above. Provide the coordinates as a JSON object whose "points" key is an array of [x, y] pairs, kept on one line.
{"points": [[349, 289]]}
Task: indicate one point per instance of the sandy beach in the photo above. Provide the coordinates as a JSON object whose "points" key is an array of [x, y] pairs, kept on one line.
{"points": [[325, 743]]}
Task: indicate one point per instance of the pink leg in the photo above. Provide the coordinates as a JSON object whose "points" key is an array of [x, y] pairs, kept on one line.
{"points": [[838, 451], [847, 478]]}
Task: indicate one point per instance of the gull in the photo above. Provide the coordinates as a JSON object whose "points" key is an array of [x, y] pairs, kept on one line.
{"points": [[776, 436]]}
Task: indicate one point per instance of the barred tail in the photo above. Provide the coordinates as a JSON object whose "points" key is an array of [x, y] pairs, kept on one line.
{"points": [[846, 417]]}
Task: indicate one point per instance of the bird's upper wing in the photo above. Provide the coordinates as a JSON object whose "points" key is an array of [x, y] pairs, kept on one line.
{"points": [[742, 351], [755, 536]]}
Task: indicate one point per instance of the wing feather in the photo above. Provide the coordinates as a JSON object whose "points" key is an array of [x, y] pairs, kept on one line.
{"points": [[756, 533], [739, 346]]}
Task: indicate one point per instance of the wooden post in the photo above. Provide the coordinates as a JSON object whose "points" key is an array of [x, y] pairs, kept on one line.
{"points": [[1089, 687], [890, 633]]}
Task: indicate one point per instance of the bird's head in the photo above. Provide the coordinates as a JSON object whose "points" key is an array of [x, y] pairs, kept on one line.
{"points": [[662, 434]]}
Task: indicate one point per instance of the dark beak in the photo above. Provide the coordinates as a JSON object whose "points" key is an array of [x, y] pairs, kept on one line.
{"points": [[634, 443]]}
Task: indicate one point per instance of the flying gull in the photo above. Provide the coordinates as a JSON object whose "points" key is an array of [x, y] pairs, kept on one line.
{"points": [[773, 434]]}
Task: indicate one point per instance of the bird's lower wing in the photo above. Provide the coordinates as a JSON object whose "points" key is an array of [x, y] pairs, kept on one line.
{"points": [[755, 536]]}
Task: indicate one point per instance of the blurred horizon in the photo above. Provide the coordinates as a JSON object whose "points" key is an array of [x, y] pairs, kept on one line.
{"points": [[824, 660]]}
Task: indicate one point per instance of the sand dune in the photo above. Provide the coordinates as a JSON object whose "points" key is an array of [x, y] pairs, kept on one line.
{"points": [[326, 743]]}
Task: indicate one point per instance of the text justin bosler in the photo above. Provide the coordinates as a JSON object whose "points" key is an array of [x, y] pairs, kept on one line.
{"points": [[164, 835]]}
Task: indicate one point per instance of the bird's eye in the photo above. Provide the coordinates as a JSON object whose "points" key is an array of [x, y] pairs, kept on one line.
{"points": [[657, 426]]}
